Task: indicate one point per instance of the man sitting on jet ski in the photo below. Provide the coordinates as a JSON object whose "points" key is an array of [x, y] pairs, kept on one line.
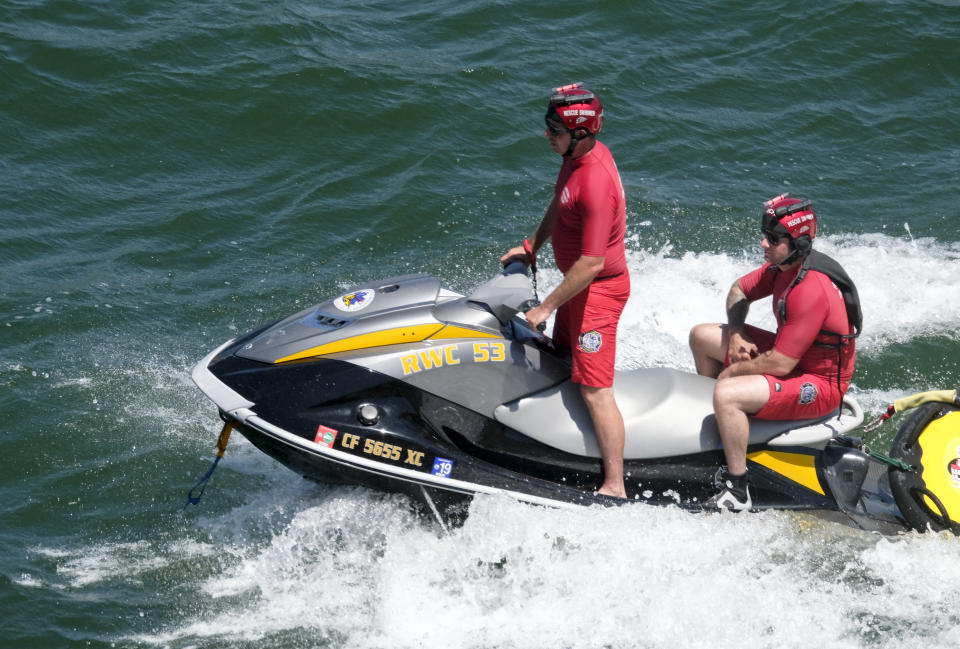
{"points": [[802, 371], [587, 220]]}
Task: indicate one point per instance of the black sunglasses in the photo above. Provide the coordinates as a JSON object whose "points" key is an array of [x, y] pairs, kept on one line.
{"points": [[555, 129], [773, 238]]}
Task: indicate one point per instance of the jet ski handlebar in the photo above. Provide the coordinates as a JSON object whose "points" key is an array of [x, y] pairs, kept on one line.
{"points": [[518, 266], [515, 266], [509, 292]]}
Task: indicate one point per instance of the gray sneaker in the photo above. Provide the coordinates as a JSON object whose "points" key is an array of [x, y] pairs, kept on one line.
{"points": [[731, 496]]}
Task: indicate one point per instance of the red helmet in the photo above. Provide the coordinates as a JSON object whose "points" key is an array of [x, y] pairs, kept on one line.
{"points": [[790, 216], [576, 107]]}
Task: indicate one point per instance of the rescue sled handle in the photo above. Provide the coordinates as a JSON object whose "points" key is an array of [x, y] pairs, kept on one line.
{"points": [[940, 396], [913, 401]]}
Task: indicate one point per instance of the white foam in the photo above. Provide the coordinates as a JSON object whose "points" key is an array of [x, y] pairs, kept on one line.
{"points": [[28, 581], [104, 562], [359, 568]]}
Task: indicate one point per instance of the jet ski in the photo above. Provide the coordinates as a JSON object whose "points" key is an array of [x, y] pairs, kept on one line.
{"points": [[405, 386]]}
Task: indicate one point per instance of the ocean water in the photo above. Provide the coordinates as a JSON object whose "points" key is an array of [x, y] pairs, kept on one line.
{"points": [[174, 174]]}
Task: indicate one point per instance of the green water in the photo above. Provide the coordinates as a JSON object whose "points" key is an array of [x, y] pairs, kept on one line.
{"points": [[173, 174]]}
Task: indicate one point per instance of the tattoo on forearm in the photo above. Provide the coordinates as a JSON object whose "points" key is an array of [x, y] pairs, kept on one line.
{"points": [[737, 307]]}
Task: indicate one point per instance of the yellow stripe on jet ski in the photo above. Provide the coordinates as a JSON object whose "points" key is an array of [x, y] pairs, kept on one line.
{"points": [[396, 336], [940, 443], [799, 467], [453, 331]]}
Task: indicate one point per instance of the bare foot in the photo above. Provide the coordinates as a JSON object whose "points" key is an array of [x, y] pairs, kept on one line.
{"points": [[614, 492]]}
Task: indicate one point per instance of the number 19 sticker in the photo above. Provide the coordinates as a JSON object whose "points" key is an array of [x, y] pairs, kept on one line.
{"points": [[442, 467]]}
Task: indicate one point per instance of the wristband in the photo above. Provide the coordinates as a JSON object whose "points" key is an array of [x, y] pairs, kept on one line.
{"points": [[531, 256]]}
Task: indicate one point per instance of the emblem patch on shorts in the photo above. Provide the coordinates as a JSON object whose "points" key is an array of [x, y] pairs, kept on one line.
{"points": [[776, 386], [808, 394], [590, 341]]}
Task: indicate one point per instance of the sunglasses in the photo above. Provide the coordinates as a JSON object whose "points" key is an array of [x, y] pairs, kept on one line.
{"points": [[773, 238], [555, 129]]}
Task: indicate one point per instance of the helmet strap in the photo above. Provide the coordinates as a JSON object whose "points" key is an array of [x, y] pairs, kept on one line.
{"points": [[792, 257], [799, 252], [574, 141]]}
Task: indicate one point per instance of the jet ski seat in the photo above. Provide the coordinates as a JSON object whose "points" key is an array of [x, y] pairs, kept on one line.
{"points": [[666, 413]]}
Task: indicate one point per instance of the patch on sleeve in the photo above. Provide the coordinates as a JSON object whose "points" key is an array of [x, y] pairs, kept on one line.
{"points": [[590, 341], [808, 394]]}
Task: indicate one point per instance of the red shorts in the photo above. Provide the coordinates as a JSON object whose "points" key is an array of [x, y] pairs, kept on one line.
{"points": [[796, 395], [593, 314]]}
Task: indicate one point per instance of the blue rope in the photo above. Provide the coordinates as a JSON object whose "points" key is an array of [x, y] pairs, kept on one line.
{"points": [[202, 483], [193, 500]]}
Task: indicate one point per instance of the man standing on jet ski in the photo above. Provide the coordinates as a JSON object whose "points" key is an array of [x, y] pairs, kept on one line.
{"points": [[587, 221], [803, 370]]}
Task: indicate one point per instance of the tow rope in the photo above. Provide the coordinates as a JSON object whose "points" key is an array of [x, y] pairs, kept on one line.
{"points": [[221, 447], [894, 462]]}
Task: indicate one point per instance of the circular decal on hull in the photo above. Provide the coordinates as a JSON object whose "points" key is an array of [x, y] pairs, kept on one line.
{"points": [[356, 300], [954, 470]]}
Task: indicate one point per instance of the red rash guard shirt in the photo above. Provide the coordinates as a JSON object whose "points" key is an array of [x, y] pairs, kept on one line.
{"points": [[812, 306], [591, 217]]}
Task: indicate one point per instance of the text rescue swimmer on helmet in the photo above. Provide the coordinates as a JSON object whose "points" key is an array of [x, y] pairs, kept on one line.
{"points": [[772, 218], [572, 107], [801, 230]]}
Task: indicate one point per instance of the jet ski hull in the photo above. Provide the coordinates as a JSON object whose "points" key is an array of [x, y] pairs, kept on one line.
{"points": [[441, 397], [411, 449]]}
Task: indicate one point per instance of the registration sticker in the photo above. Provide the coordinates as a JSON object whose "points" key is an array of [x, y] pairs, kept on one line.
{"points": [[442, 467], [325, 436]]}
